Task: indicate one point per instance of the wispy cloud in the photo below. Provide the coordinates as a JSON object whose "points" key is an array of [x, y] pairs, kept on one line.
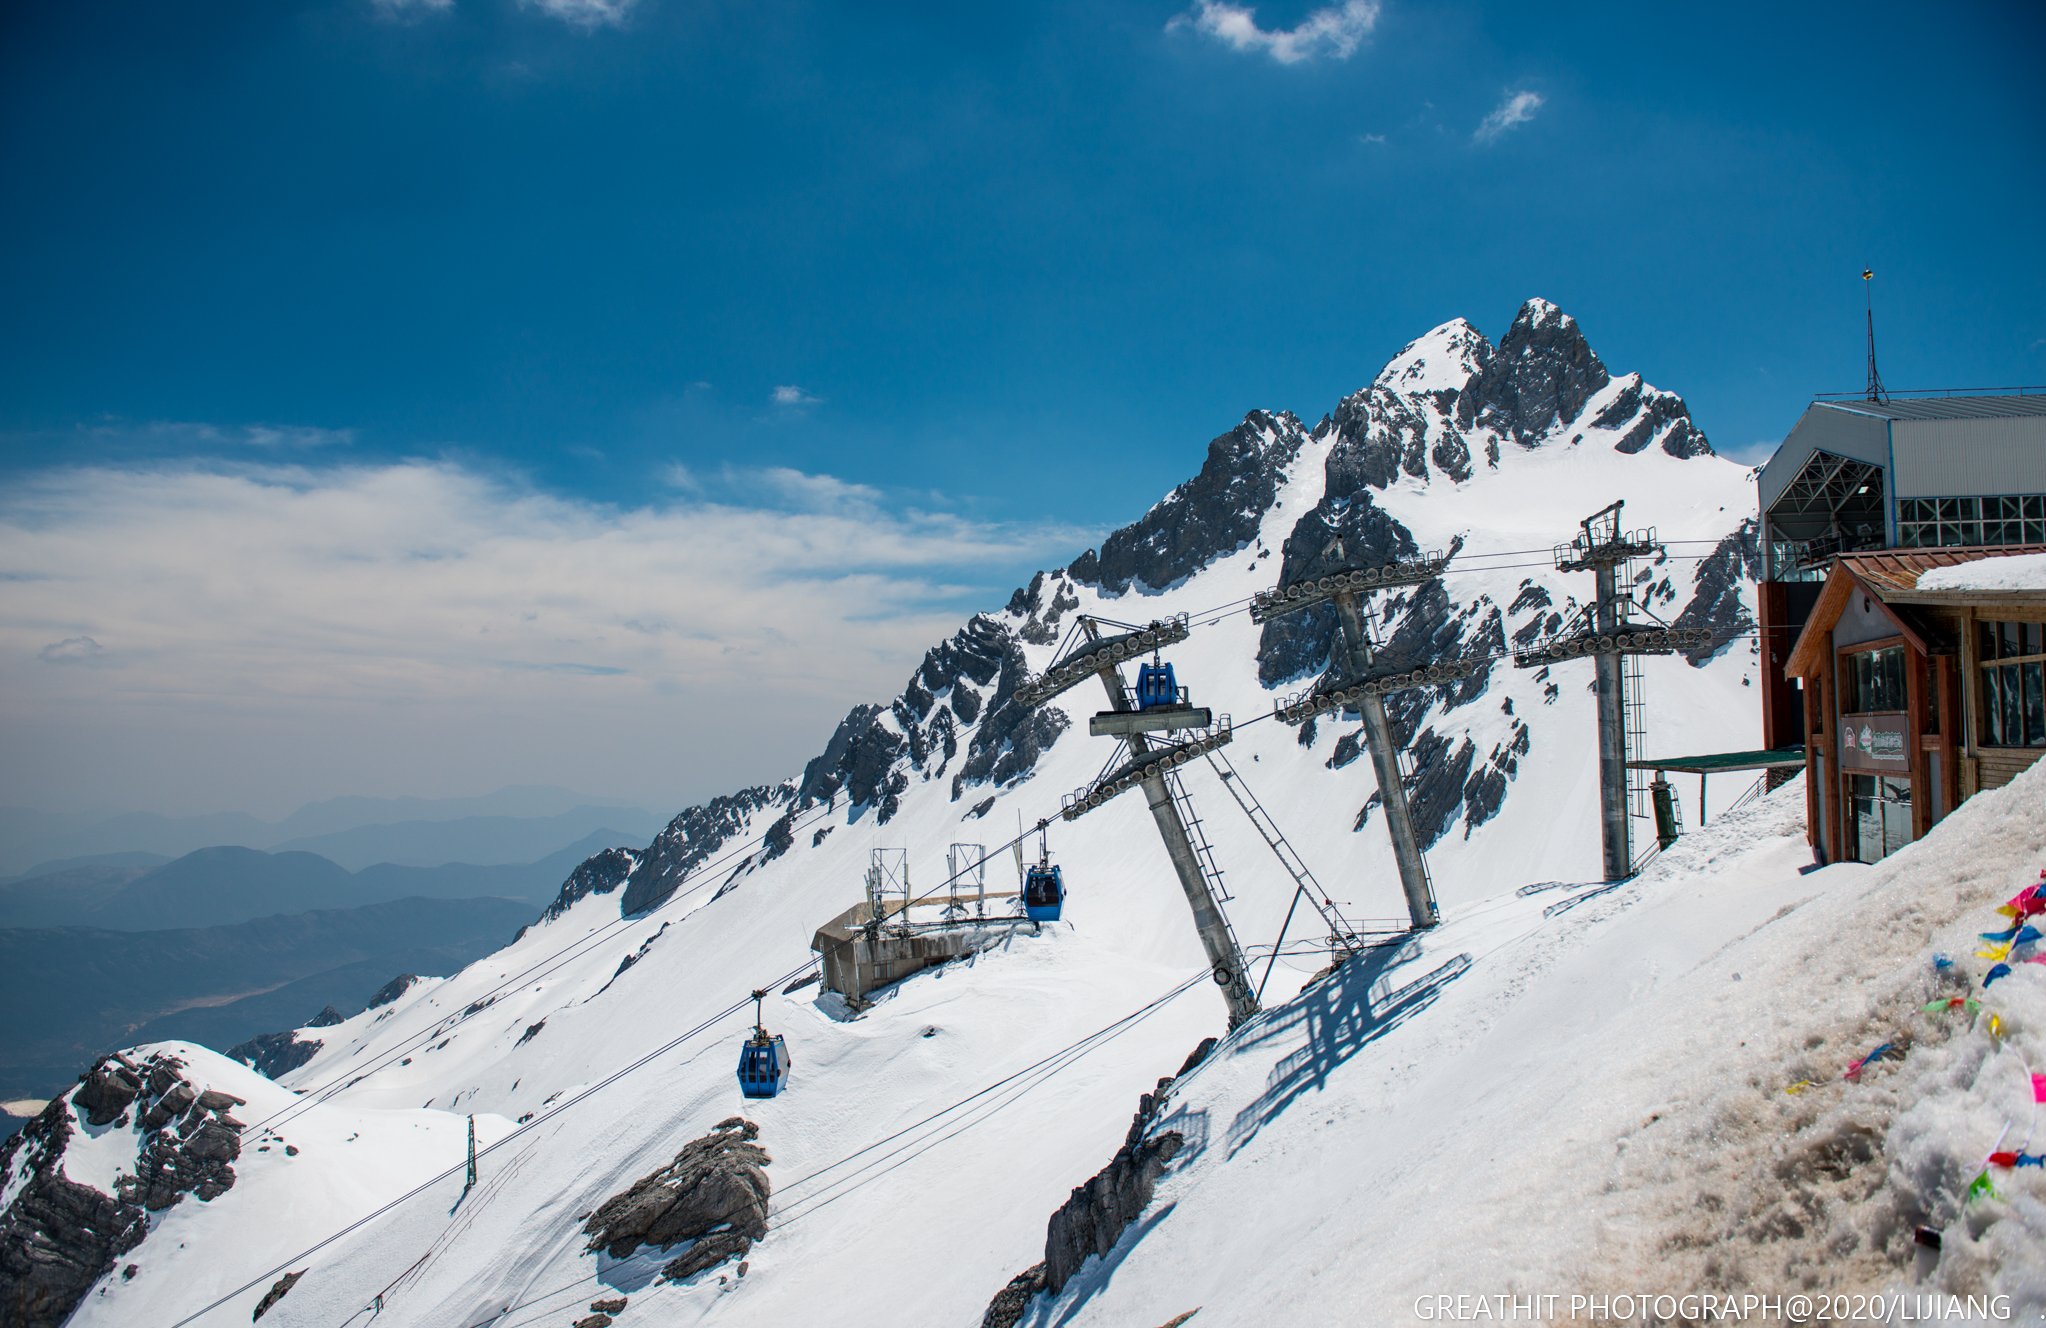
{"points": [[1517, 108], [790, 395], [1337, 29], [587, 13], [420, 619], [412, 8]]}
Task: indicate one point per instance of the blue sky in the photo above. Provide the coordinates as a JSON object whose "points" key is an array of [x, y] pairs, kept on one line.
{"points": [[987, 277]]}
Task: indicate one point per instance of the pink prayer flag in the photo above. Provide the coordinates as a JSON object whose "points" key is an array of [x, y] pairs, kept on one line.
{"points": [[2039, 1088]]}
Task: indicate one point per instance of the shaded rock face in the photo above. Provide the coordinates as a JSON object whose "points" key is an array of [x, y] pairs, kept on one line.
{"points": [[276, 1293], [275, 1055], [327, 1018], [714, 1195], [1542, 375], [1716, 601], [598, 874], [1216, 512], [690, 840], [1094, 1218], [58, 1237], [393, 989]]}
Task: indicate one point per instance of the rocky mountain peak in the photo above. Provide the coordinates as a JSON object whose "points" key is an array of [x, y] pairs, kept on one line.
{"points": [[1542, 374], [1446, 358]]}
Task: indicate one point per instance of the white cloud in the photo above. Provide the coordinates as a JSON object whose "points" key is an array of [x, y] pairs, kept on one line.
{"points": [[71, 650], [1338, 29], [791, 395], [280, 632], [587, 13], [1518, 108], [403, 8]]}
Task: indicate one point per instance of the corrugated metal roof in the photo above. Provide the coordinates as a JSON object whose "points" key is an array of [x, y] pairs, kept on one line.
{"points": [[1944, 408], [1896, 571]]}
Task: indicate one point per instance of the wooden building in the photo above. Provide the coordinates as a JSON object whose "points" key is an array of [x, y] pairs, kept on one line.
{"points": [[1913, 699]]}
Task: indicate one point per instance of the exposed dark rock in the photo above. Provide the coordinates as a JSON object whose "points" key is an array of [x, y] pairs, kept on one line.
{"points": [[1348, 748], [1716, 598], [58, 1237], [1094, 1218], [275, 1054], [1540, 376], [616, 1306], [598, 874], [106, 1090], [1653, 412], [714, 1193], [1006, 1309], [326, 1018], [593, 1321], [1531, 596], [1485, 791], [401, 984], [1214, 513], [690, 840], [276, 1293], [780, 837]]}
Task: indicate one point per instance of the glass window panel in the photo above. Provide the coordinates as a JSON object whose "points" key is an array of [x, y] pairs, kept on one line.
{"points": [[1896, 814], [2013, 707], [1907, 536], [1931, 677], [1992, 708], [1949, 510], [1864, 818], [2013, 640], [2035, 532], [2035, 508], [2035, 707], [2009, 509], [1971, 532], [1971, 509], [1986, 642], [1894, 685], [2033, 645]]}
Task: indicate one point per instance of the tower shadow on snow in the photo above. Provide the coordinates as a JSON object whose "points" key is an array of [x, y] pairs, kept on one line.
{"points": [[1339, 1017]]}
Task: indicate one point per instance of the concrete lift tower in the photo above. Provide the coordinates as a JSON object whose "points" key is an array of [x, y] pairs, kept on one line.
{"points": [[1602, 630], [1362, 683], [1151, 769]]}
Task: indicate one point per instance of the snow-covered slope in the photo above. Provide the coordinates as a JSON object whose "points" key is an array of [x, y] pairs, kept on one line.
{"points": [[987, 1064]]}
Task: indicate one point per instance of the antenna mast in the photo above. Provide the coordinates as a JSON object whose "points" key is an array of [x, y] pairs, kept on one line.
{"points": [[1875, 380]]}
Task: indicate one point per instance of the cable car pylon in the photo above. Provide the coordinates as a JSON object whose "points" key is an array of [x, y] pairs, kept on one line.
{"points": [[1364, 686], [1148, 768]]}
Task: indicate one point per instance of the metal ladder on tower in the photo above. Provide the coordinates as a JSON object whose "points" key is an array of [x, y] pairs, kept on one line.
{"points": [[1204, 853], [1341, 934]]}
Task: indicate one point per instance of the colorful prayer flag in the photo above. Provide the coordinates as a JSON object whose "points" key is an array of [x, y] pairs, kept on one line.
{"points": [[2039, 1088], [2000, 971], [1981, 1188]]}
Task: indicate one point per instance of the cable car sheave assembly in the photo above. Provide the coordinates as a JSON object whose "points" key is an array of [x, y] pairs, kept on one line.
{"points": [[1362, 684], [1150, 768]]}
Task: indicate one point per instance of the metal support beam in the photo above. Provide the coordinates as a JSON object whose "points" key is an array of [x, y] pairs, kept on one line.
{"points": [[1392, 789], [1223, 957], [1612, 737]]}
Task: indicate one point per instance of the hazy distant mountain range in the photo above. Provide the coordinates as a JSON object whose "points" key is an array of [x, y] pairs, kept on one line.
{"points": [[69, 993], [517, 823]]}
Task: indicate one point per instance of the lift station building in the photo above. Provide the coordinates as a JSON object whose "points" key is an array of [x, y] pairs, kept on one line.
{"points": [[1906, 699]]}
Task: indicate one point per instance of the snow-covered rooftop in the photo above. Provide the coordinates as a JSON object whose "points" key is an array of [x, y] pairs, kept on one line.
{"points": [[2023, 571]]}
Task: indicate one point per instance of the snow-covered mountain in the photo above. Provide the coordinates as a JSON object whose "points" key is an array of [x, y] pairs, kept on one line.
{"points": [[925, 1141]]}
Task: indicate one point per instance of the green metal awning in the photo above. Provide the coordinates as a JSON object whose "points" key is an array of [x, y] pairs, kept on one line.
{"points": [[1720, 761]]}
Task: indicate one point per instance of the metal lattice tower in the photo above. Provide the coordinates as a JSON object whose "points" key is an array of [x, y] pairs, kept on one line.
{"points": [[966, 870]]}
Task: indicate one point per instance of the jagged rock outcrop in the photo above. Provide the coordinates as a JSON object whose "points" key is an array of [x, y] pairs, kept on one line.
{"points": [[276, 1293], [392, 990], [690, 840], [1214, 513], [327, 1018], [274, 1055], [1541, 376], [57, 1236], [1094, 1218], [1716, 602], [713, 1195], [598, 874]]}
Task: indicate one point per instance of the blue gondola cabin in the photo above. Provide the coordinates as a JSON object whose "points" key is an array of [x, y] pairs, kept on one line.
{"points": [[1044, 893], [763, 1065], [1156, 686]]}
